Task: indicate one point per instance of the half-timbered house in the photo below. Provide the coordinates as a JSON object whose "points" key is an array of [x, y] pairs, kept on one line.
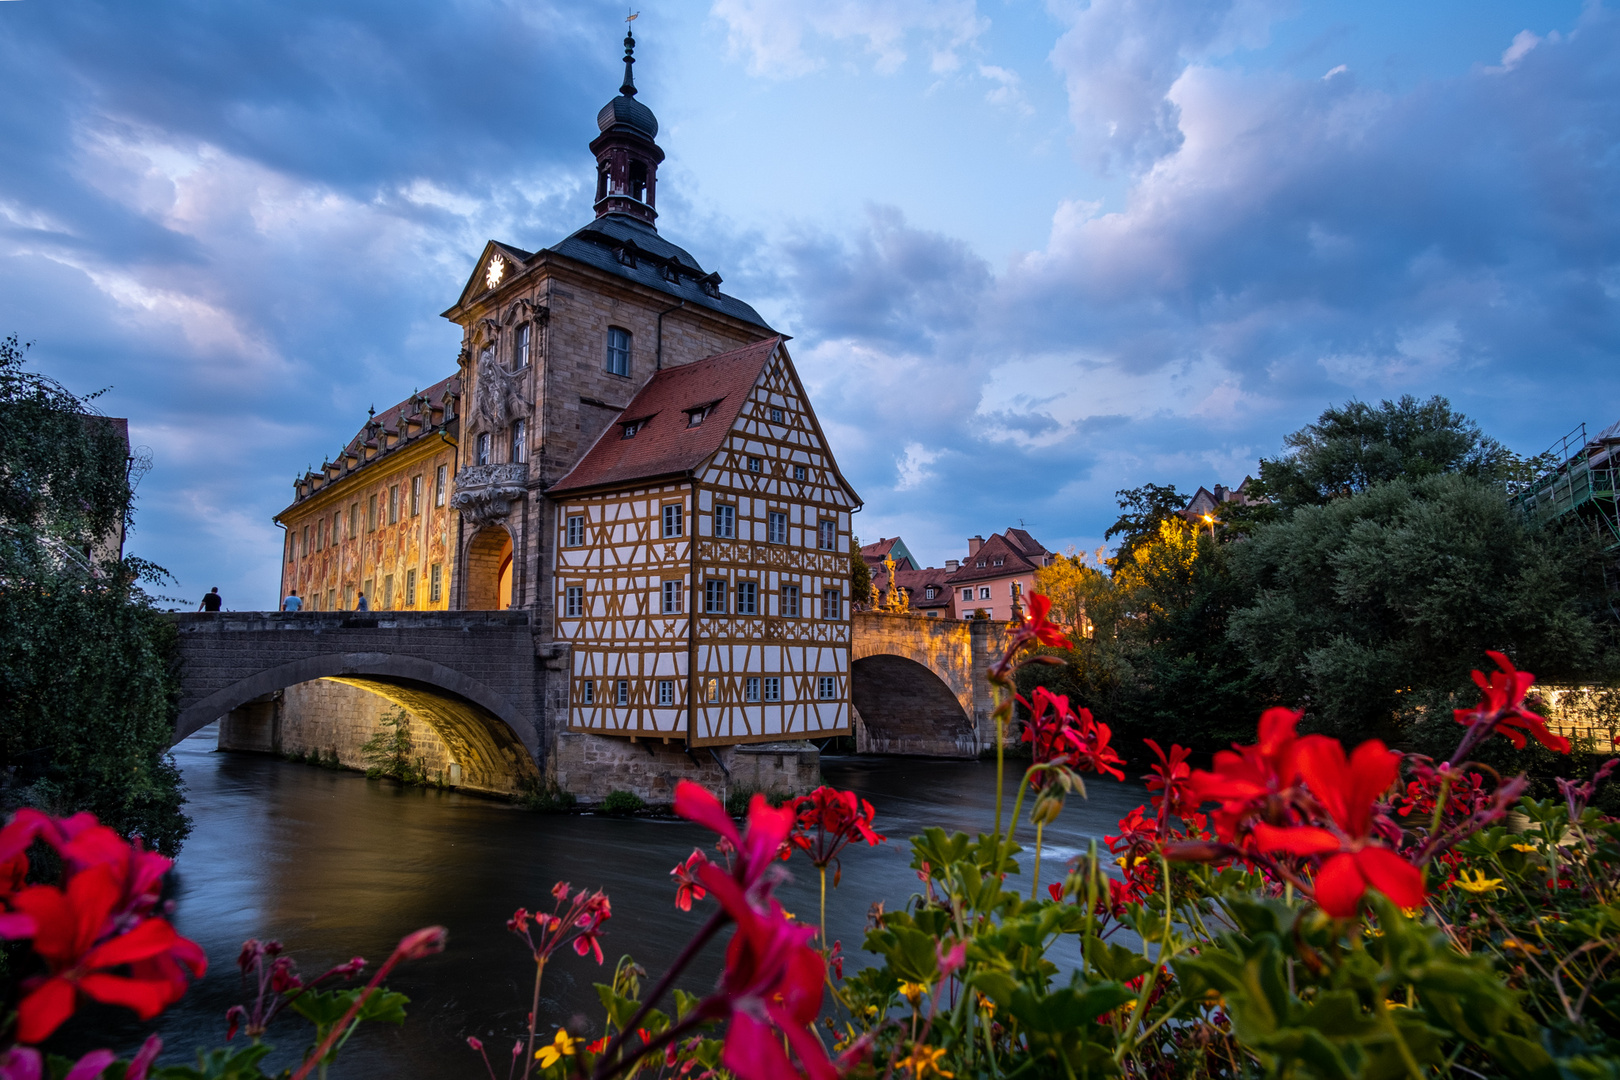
{"points": [[702, 572]]}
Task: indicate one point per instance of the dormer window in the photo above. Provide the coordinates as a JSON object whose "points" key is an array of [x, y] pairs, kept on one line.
{"points": [[711, 286], [694, 417], [998, 562], [981, 563], [631, 427], [931, 592]]}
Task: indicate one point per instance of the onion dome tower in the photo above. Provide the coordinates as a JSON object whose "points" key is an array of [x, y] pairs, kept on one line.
{"points": [[626, 156]]}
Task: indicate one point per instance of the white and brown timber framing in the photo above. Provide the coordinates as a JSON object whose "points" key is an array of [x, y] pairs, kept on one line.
{"points": [[729, 676]]}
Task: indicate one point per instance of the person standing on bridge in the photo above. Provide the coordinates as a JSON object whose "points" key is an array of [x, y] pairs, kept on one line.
{"points": [[211, 600], [292, 603], [362, 604]]}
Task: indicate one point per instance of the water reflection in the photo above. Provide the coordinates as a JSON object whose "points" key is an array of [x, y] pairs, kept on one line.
{"points": [[334, 865]]}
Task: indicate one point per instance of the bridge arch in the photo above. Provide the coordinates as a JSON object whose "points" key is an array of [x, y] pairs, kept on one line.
{"points": [[481, 727], [911, 681]]}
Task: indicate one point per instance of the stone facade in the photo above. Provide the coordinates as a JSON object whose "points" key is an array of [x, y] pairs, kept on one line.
{"points": [[330, 718], [591, 766]]}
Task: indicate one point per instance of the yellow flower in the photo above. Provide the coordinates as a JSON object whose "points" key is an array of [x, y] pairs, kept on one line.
{"points": [[985, 1004], [924, 1059], [913, 991], [1479, 885], [562, 1046], [1528, 849], [1515, 945]]}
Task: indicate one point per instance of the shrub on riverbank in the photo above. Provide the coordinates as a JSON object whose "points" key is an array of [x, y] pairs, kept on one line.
{"points": [[88, 692], [623, 803]]}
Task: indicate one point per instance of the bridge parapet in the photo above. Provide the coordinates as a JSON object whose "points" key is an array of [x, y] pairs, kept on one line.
{"points": [[919, 686]]}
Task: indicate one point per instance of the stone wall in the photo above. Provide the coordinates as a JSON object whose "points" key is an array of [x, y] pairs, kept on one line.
{"points": [[590, 766], [329, 717]]}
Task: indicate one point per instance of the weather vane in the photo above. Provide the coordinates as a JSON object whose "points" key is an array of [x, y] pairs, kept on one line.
{"points": [[632, 17]]}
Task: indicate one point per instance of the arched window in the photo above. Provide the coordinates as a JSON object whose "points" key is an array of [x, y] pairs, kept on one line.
{"points": [[638, 180], [482, 457], [520, 432]]}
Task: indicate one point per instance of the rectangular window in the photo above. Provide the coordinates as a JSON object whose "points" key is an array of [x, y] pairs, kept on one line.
{"points": [[573, 601], [799, 472], [751, 689], [711, 691], [776, 527], [967, 594], [618, 351], [827, 535], [410, 588], [369, 592], [523, 346], [672, 597], [574, 535], [331, 599], [482, 452], [292, 545], [388, 592], [666, 691], [348, 597], [747, 598], [725, 522], [672, 519], [776, 416], [790, 601], [773, 688], [435, 583], [984, 592], [305, 548], [416, 496], [832, 604], [622, 694], [828, 688], [755, 464], [354, 520], [587, 691], [393, 503], [520, 441], [438, 486], [337, 526], [714, 597]]}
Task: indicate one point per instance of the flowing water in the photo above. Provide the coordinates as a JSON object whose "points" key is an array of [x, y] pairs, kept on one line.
{"points": [[334, 865]]}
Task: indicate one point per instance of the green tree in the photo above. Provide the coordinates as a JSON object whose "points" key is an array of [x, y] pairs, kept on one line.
{"points": [[388, 751], [1377, 606], [1145, 508], [860, 575], [87, 692], [1352, 447]]}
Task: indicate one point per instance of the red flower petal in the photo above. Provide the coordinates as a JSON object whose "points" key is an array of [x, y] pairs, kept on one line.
{"points": [[1299, 840], [1391, 875], [694, 803], [44, 1010], [1339, 886], [147, 997]]}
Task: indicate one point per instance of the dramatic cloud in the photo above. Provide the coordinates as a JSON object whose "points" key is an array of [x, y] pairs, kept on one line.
{"points": [[784, 38]]}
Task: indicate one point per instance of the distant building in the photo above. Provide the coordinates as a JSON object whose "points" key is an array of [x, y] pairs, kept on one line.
{"points": [[1210, 503], [886, 547], [995, 572]]}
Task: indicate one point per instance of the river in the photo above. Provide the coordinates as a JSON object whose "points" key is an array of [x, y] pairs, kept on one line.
{"points": [[334, 865]]}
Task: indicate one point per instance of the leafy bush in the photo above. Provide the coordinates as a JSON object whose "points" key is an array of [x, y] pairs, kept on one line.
{"points": [[388, 751], [545, 797], [623, 803]]}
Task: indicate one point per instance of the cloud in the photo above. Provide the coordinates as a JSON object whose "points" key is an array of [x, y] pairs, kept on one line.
{"points": [[1008, 91], [783, 39]]}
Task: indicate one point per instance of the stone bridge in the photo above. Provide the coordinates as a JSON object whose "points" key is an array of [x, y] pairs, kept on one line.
{"points": [[479, 680]]}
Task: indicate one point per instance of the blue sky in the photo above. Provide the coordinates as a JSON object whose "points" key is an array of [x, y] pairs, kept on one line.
{"points": [[1030, 252]]}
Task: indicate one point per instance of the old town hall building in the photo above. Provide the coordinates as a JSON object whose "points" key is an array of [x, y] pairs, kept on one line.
{"points": [[626, 453]]}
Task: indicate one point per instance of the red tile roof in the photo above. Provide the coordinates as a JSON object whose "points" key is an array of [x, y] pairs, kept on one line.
{"points": [[390, 417], [916, 583], [874, 554], [664, 445], [1019, 553]]}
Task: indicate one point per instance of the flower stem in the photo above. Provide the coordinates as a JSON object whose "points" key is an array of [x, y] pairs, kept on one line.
{"points": [[534, 1013], [1035, 883], [710, 928], [823, 870]]}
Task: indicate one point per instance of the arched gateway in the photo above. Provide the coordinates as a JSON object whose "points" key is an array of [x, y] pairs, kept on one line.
{"points": [[918, 684]]}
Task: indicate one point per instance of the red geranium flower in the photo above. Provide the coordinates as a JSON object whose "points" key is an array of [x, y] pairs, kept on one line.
{"points": [[1171, 779], [689, 887], [1502, 708], [753, 851], [1253, 781], [1349, 790], [828, 820], [1035, 626], [70, 934]]}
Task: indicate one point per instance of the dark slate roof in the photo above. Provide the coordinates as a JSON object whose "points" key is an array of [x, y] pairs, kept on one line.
{"points": [[664, 445], [628, 112], [633, 250]]}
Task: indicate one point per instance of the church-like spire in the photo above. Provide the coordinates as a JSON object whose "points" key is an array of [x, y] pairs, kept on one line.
{"points": [[628, 87], [626, 156]]}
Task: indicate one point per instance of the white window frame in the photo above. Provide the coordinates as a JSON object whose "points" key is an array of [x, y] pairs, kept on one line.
{"points": [[673, 525], [826, 688], [674, 593], [439, 485], [435, 583], [751, 688], [416, 496], [621, 692], [573, 601], [587, 692], [574, 531], [776, 416], [666, 691], [826, 535], [714, 591], [832, 604], [984, 592], [790, 602], [711, 691], [747, 598], [800, 473], [755, 464], [520, 442], [776, 527], [725, 521], [521, 349], [773, 688], [619, 344]]}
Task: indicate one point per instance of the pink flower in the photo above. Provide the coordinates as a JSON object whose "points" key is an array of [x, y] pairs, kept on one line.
{"points": [[689, 888]]}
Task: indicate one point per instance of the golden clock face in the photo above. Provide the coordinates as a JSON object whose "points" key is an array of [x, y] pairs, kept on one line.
{"points": [[495, 272]]}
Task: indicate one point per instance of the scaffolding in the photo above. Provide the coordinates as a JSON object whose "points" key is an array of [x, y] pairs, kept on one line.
{"points": [[1581, 481]]}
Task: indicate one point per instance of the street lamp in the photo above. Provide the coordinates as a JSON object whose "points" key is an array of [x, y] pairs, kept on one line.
{"points": [[1210, 521]]}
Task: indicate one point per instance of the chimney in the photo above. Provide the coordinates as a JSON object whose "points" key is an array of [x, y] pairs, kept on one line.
{"points": [[974, 543], [951, 565]]}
